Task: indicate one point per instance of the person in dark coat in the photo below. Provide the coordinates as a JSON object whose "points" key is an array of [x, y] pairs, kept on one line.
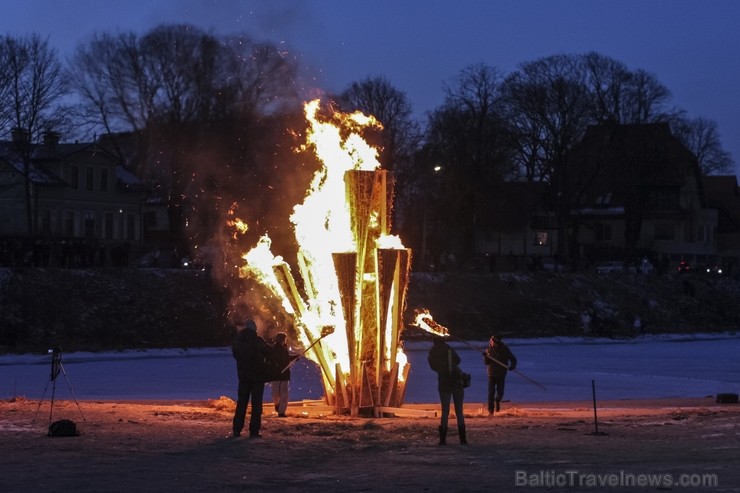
{"points": [[281, 358], [250, 352], [444, 360], [498, 359]]}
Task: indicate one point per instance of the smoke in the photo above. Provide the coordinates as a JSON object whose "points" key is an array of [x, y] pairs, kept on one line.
{"points": [[255, 174]]}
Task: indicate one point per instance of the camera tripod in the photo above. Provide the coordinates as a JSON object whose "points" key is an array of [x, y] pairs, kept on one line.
{"points": [[56, 368]]}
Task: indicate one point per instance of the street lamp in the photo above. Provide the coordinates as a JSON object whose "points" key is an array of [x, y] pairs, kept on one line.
{"points": [[436, 169]]}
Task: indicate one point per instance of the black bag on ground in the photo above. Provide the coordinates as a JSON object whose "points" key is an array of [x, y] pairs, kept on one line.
{"points": [[63, 428], [727, 398]]}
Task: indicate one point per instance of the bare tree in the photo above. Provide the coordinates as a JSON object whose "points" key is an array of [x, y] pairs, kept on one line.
{"points": [[32, 102], [608, 81], [5, 83], [622, 96], [552, 104], [646, 99], [173, 86], [702, 138], [400, 135], [256, 78], [467, 138]]}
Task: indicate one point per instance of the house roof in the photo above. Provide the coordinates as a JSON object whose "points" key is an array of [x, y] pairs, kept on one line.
{"points": [[38, 174], [43, 155], [619, 158]]}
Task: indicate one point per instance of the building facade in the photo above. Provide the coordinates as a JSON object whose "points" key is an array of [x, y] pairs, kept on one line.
{"points": [[74, 191]]}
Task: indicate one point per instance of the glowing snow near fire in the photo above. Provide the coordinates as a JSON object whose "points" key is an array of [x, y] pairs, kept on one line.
{"points": [[354, 273]]}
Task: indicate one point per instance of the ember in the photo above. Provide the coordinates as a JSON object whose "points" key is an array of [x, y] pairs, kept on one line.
{"points": [[355, 274]]}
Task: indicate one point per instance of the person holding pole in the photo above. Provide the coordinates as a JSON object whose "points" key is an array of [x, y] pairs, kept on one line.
{"points": [[250, 352], [444, 361], [282, 358], [499, 360]]}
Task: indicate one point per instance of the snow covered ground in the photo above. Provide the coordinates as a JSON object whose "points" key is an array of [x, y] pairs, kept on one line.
{"points": [[695, 365]]}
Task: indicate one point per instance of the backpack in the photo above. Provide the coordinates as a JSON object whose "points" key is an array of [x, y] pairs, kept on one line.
{"points": [[63, 428]]}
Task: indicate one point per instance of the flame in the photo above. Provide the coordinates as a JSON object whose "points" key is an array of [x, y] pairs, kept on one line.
{"points": [[323, 229], [238, 225], [424, 320]]}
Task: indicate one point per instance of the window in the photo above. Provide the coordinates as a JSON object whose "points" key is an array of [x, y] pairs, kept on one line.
{"points": [[69, 223], [130, 226], [89, 225], [541, 238], [665, 231], [603, 232], [605, 199], [74, 177], [108, 226], [704, 233], [664, 201], [89, 178], [45, 221], [150, 220], [104, 179]]}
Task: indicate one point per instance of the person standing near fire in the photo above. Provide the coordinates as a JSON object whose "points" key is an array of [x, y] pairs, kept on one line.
{"points": [[444, 361], [282, 358], [499, 360], [250, 352]]}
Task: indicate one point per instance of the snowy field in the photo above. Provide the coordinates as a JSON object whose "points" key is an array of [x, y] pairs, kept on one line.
{"points": [[696, 365]]}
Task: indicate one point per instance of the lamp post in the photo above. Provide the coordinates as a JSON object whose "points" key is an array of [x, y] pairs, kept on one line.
{"points": [[436, 169]]}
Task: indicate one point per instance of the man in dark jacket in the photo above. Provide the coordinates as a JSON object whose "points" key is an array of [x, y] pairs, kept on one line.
{"points": [[444, 360], [498, 359], [250, 352]]}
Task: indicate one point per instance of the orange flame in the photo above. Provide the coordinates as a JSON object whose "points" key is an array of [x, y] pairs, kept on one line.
{"points": [[424, 320], [323, 229]]}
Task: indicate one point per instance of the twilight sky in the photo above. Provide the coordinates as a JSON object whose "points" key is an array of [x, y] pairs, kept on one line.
{"points": [[691, 46]]}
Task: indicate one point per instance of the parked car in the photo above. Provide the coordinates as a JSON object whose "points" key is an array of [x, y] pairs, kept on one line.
{"points": [[609, 267], [714, 270]]}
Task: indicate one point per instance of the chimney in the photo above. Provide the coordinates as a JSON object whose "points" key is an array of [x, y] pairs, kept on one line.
{"points": [[51, 138], [20, 136]]}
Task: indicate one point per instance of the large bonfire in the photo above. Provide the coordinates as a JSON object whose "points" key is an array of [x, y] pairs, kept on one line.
{"points": [[347, 309]]}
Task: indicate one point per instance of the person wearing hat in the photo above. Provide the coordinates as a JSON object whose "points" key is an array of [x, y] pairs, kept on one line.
{"points": [[499, 360], [250, 352], [444, 360]]}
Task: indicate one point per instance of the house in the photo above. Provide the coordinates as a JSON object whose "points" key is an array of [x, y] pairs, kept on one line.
{"points": [[641, 193], [723, 194], [635, 190], [78, 192], [514, 226]]}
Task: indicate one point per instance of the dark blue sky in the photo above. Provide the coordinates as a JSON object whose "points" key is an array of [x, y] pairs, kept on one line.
{"points": [[691, 46]]}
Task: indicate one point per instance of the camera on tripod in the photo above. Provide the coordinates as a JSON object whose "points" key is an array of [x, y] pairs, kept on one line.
{"points": [[56, 361], [58, 429]]}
